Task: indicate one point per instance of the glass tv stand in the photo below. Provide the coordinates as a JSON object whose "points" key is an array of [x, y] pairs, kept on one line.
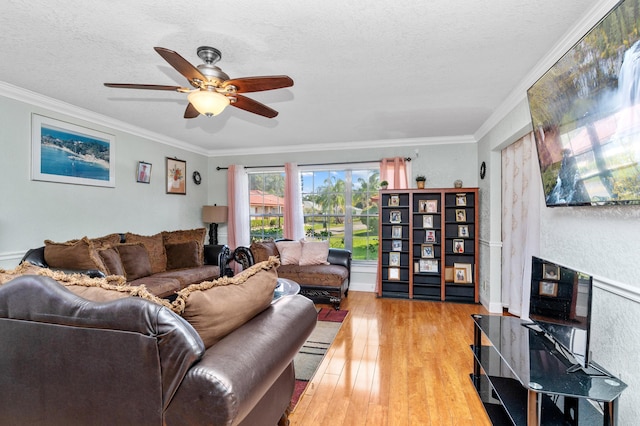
{"points": [[522, 378]]}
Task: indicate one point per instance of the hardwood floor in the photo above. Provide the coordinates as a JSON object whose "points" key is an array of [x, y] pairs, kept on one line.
{"points": [[396, 362]]}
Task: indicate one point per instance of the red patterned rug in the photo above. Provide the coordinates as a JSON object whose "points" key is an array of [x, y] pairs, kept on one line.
{"points": [[313, 351]]}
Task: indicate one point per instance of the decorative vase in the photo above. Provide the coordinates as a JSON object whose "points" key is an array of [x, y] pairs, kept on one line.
{"points": [[457, 184], [420, 184]]}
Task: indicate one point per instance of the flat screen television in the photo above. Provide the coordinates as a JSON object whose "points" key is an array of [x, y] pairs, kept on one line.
{"points": [[560, 305], [585, 113]]}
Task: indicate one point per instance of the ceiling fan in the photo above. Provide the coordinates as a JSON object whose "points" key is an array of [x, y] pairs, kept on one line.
{"points": [[213, 90]]}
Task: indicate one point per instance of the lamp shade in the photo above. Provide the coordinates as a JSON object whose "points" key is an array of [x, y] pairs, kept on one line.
{"points": [[208, 103], [214, 214]]}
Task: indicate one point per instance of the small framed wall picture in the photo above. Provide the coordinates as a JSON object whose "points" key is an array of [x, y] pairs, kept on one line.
{"points": [[144, 172], [426, 251], [395, 216], [461, 199], [548, 289], [427, 221], [396, 245], [461, 215], [394, 200], [430, 236], [393, 274], [176, 172], [458, 246], [394, 258], [463, 231], [396, 231]]}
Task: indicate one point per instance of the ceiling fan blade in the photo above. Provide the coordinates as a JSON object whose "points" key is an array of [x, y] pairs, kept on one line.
{"points": [[181, 65], [191, 111], [255, 107], [258, 84], [146, 86]]}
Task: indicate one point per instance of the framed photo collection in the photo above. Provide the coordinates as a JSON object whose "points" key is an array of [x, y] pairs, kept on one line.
{"points": [[428, 265], [394, 258]]}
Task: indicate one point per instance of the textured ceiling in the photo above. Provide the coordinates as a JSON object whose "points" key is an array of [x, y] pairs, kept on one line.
{"points": [[363, 70]]}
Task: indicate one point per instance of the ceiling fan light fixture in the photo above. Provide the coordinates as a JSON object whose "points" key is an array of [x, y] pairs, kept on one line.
{"points": [[207, 102]]}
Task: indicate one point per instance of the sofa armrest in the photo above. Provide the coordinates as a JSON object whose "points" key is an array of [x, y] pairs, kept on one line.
{"points": [[244, 257], [217, 255], [235, 373]]}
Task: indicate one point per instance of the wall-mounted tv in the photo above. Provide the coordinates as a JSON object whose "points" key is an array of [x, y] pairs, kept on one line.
{"points": [[585, 113], [560, 304]]}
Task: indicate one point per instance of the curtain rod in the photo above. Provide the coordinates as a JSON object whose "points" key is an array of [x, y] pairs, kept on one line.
{"points": [[311, 164]]}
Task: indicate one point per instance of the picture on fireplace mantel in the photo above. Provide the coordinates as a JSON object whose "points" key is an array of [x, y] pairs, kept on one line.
{"points": [[66, 153]]}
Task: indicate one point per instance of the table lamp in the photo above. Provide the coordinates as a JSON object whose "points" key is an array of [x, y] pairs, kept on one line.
{"points": [[213, 215]]}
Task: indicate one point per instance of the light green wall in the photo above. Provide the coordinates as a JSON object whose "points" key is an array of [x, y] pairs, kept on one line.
{"points": [[33, 211]]}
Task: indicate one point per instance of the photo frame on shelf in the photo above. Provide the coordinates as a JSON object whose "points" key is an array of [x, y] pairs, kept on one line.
{"points": [[430, 236], [176, 176], [432, 206], [394, 200], [428, 265], [395, 216], [393, 274], [427, 221], [396, 245], [426, 251], [462, 273], [458, 246], [448, 274], [396, 231], [394, 258], [461, 215], [463, 231], [422, 206], [144, 172], [550, 272], [461, 199], [548, 289]]}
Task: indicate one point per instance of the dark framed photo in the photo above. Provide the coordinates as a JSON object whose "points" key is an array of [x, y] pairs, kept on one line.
{"points": [[144, 172], [548, 289], [458, 246], [394, 258], [396, 231], [176, 176], [461, 215], [427, 221], [395, 216], [394, 200], [430, 236], [426, 251]]}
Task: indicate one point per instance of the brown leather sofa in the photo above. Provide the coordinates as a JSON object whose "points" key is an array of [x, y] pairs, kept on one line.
{"points": [[68, 361]]}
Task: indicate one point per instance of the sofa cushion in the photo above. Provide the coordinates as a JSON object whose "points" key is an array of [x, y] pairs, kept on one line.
{"points": [[182, 255], [162, 287], [263, 250], [106, 241], [216, 308], [320, 275], [192, 275], [155, 247], [290, 252], [314, 253], [183, 236], [135, 260], [74, 254], [111, 259]]}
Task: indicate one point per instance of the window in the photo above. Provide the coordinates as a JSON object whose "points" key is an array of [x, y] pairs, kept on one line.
{"points": [[266, 204], [340, 205]]}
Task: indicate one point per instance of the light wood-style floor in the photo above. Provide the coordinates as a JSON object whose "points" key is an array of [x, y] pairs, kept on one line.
{"points": [[396, 362]]}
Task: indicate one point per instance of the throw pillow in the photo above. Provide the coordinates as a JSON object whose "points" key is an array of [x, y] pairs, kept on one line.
{"points": [[135, 260], [314, 253], [74, 254], [263, 250], [155, 247], [106, 241], [182, 255], [183, 236], [216, 308], [290, 252], [111, 259]]}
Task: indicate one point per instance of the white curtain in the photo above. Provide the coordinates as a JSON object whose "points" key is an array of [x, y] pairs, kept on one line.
{"points": [[521, 201], [238, 202], [293, 215]]}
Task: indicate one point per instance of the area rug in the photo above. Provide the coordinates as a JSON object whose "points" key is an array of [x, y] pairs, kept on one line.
{"points": [[310, 356]]}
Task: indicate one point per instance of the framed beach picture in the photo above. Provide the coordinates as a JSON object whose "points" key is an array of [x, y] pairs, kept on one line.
{"points": [[66, 153], [176, 172], [144, 172]]}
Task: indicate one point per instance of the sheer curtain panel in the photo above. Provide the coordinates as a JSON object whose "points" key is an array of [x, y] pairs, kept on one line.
{"points": [[238, 202], [293, 215]]}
